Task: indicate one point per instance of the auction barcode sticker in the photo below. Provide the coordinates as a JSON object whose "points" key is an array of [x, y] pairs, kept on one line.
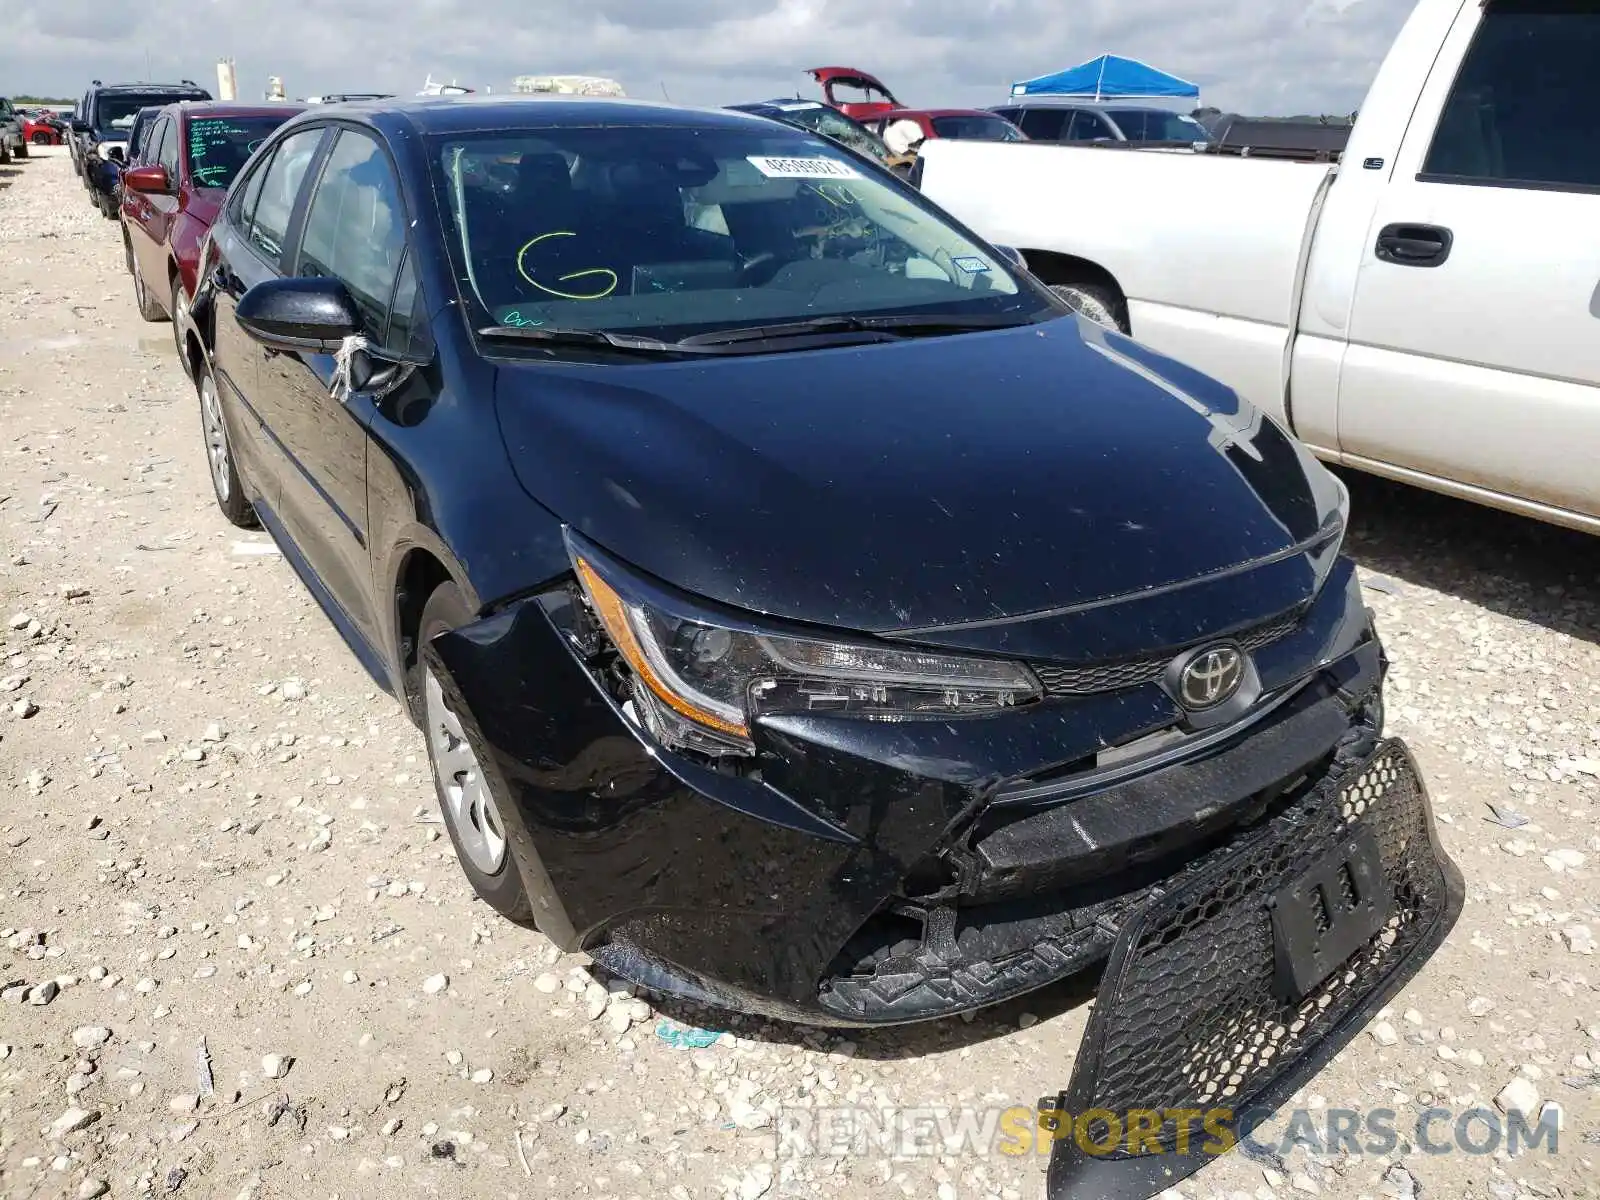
{"points": [[803, 168]]}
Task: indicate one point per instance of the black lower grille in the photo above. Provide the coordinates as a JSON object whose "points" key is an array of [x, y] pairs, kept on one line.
{"points": [[1092, 678], [1191, 1013]]}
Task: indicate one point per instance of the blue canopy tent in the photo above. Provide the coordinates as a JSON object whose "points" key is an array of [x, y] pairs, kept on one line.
{"points": [[1109, 77]]}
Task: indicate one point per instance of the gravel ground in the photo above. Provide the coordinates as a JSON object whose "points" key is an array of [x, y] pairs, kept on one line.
{"points": [[237, 958]]}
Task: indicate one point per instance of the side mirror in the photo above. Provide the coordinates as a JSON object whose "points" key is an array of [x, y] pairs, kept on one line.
{"points": [[151, 179], [1013, 256], [115, 154], [314, 314], [79, 126]]}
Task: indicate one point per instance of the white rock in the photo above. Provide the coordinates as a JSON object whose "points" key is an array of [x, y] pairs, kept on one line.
{"points": [[595, 1000], [276, 1066], [547, 983], [1518, 1096], [1383, 1033], [1579, 939], [89, 1189], [87, 1037], [184, 1104], [757, 1182], [213, 733], [434, 984], [482, 1075], [73, 1120], [292, 689]]}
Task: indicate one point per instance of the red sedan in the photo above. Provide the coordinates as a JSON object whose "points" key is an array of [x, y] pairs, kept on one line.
{"points": [[171, 196], [903, 129]]}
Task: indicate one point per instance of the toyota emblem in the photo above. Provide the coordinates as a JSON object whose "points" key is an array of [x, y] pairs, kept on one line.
{"points": [[1211, 677]]}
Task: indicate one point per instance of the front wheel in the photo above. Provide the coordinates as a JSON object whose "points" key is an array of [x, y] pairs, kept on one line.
{"points": [[22, 150], [468, 806], [149, 307], [41, 138], [219, 454]]}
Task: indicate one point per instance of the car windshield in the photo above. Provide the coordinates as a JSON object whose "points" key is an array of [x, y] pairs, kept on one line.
{"points": [[1150, 125], [669, 231], [830, 122], [973, 128], [117, 112], [220, 146]]}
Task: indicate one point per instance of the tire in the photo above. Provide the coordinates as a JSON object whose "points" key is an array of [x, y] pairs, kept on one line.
{"points": [[175, 299], [469, 811], [225, 483], [127, 251], [22, 150], [1101, 304], [149, 308], [40, 138]]}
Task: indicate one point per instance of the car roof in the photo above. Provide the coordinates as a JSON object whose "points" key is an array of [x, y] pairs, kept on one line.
{"points": [[154, 89], [932, 113], [236, 108], [485, 113]]}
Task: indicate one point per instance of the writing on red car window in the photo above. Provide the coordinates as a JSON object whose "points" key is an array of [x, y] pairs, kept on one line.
{"points": [[214, 149]]}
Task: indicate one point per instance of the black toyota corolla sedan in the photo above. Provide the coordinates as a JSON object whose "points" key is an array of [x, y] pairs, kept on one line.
{"points": [[807, 613]]}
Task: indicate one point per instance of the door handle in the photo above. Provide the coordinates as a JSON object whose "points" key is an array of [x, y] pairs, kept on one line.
{"points": [[1407, 245]]}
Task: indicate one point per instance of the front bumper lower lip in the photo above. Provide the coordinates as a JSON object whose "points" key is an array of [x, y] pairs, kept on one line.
{"points": [[1189, 1016]]}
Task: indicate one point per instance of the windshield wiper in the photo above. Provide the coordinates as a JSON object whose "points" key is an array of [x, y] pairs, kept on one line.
{"points": [[891, 326], [554, 335]]}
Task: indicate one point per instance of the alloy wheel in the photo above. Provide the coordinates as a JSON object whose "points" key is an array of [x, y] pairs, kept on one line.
{"points": [[216, 436], [473, 817]]}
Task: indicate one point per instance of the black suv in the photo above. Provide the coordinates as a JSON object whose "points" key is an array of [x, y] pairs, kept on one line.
{"points": [[100, 131]]}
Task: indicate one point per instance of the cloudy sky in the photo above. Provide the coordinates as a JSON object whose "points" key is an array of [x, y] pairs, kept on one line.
{"points": [[1262, 56]]}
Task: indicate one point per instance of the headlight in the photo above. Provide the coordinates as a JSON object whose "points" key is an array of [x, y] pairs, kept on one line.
{"points": [[697, 683]]}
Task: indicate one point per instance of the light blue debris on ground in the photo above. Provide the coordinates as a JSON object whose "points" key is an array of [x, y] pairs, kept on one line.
{"points": [[685, 1037]]}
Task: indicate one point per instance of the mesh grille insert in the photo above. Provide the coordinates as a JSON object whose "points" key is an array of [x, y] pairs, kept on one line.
{"points": [[1092, 678]]}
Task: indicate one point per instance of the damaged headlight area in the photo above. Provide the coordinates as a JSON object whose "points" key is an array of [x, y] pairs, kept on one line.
{"points": [[696, 681]]}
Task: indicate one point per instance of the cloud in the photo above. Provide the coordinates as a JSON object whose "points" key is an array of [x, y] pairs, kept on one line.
{"points": [[1271, 56]]}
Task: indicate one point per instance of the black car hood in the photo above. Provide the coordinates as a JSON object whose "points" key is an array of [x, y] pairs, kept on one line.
{"points": [[928, 482]]}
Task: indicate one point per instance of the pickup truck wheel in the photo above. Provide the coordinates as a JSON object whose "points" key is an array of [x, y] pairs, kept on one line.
{"points": [[468, 806], [21, 150], [1099, 303]]}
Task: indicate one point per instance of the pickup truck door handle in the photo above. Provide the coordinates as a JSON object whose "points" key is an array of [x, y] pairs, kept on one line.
{"points": [[1408, 245]]}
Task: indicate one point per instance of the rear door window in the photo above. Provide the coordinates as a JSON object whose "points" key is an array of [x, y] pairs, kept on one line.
{"points": [[1088, 127], [1521, 111], [1045, 124]]}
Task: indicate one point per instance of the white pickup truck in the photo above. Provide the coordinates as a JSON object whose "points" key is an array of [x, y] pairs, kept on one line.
{"points": [[1427, 309]]}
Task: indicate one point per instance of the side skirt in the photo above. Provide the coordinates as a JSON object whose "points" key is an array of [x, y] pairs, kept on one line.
{"points": [[371, 661]]}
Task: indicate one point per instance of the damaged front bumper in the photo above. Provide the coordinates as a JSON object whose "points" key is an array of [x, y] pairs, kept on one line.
{"points": [[870, 872], [1244, 978]]}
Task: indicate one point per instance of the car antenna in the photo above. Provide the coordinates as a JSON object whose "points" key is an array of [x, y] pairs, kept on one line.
{"points": [[664, 91]]}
